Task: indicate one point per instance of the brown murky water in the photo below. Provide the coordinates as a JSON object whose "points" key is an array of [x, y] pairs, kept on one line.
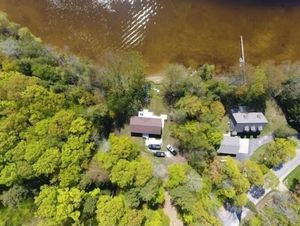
{"points": [[186, 31]]}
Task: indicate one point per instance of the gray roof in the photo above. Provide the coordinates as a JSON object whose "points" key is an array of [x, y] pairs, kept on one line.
{"points": [[230, 145], [251, 117], [146, 125]]}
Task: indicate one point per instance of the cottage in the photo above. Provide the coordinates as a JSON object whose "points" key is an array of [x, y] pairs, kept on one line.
{"points": [[147, 124], [243, 122], [141, 126]]}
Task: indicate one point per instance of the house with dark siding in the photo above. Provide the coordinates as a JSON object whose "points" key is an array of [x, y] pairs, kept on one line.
{"points": [[243, 122]]}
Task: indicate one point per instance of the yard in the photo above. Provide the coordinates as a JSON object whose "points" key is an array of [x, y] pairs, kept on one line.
{"points": [[294, 175], [257, 155], [158, 107], [275, 117], [157, 104]]}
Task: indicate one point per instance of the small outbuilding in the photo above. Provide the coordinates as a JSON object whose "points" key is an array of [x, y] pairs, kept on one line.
{"points": [[234, 147], [229, 146]]}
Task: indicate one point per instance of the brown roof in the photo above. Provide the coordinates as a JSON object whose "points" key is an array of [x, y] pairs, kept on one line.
{"points": [[145, 125]]}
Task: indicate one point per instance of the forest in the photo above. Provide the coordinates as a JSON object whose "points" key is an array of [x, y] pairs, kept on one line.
{"points": [[63, 162]]}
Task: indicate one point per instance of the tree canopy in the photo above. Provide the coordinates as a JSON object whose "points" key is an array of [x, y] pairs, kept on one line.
{"points": [[279, 151]]}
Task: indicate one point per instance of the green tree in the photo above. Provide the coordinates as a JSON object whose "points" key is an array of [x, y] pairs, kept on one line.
{"points": [[9, 65], [289, 100], [123, 173], [19, 215], [58, 205], [279, 151], [60, 123], [195, 208], [185, 202], [228, 180], [124, 81], [76, 149], [134, 173], [14, 196], [271, 180], [45, 72], [121, 147], [153, 193], [177, 175], [196, 136], [39, 103], [88, 213], [240, 200], [110, 211], [253, 172], [207, 71], [143, 171], [174, 83], [218, 111], [192, 106], [69, 176], [132, 217], [9, 174], [48, 162], [254, 93], [155, 218]]}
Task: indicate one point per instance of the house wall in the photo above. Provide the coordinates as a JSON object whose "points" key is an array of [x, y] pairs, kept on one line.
{"points": [[239, 128], [150, 135]]}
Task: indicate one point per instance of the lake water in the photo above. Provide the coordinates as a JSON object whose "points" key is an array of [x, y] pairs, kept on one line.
{"points": [[185, 31]]}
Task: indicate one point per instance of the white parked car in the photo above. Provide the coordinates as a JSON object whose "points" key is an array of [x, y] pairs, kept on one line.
{"points": [[171, 149]]}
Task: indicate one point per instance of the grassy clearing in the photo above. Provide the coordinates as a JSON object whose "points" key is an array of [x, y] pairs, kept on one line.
{"points": [[157, 104], [262, 204], [275, 117], [266, 200], [257, 155], [224, 125], [294, 175]]}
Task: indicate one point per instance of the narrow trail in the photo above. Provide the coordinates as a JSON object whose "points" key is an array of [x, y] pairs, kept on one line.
{"points": [[171, 211], [156, 77]]}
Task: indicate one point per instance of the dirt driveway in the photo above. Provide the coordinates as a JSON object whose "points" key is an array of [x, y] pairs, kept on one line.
{"points": [[171, 211]]}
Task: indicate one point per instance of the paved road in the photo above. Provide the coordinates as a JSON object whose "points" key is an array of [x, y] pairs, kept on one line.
{"points": [[281, 174], [254, 144], [288, 167], [229, 219]]}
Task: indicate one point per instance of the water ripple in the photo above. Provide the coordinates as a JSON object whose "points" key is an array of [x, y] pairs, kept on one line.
{"points": [[134, 24], [135, 27]]}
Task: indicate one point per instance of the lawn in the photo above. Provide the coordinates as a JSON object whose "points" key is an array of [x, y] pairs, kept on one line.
{"points": [[295, 174], [224, 125], [257, 155], [275, 117], [157, 104]]}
